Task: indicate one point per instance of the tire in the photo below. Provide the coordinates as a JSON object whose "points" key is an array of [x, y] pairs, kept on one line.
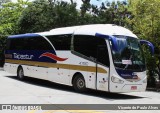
{"points": [[79, 83], [20, 73]]}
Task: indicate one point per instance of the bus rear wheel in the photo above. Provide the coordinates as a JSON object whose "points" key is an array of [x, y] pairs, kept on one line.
{"points": [[79, 83], [20, 73]]}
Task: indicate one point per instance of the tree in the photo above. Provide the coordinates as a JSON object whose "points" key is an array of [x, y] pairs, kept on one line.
{"points": [[42, 15], [146, 18], [9, 14], [85, 7], [4, 1], [144, 22]]}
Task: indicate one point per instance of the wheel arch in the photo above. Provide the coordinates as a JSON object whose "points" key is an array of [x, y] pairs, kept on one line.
{"points": [[79, 82], [77, 74], [20, 73], [20, 66]]}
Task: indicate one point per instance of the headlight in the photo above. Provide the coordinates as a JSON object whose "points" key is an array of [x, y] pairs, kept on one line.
{"points": [[116, 80]]}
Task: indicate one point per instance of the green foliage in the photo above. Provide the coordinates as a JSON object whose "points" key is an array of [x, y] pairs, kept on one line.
{"points": [[144, 22], [9, 14], [42, 15], [4, 1], [146, 15]]}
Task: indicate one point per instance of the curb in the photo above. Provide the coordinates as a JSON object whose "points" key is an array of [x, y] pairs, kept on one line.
{"points": [[153, 89]]}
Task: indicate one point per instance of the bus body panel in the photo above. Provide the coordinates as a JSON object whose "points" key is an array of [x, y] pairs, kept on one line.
{"points": [[103, 79], [11, 68], [60, 72]]}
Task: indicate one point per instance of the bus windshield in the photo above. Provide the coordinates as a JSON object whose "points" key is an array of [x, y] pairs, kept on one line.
{"points": [[129, 55]]}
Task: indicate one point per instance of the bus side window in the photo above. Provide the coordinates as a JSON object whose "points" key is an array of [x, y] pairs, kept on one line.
{"points": [[102, 55], [8, 45], [85, 45], [16, 44], [37, 43], [60, 42]]}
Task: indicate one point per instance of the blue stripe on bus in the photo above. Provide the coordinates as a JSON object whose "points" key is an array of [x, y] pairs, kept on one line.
{"points": [[24, 35], [110, 37], [29, 55]]}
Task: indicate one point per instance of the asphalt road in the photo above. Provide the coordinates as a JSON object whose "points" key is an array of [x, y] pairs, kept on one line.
{"points": [[35, 91]]}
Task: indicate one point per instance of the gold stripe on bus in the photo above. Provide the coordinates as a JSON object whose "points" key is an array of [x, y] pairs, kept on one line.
{"points": [[57, 65]]}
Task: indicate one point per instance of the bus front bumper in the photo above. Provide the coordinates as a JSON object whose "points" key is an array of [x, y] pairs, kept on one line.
{"points": [[128, 88]]}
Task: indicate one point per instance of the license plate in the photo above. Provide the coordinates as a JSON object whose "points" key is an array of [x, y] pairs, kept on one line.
{"points": [[133, 87]]}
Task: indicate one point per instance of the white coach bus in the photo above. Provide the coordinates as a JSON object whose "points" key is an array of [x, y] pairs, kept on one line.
{"points": [[101, 57]]}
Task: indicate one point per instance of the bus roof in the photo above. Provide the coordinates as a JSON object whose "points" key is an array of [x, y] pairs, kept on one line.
{"points": [[105, 29]]}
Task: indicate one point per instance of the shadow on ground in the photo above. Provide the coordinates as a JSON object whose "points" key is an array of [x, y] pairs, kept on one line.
{"points": [[101, 94]]}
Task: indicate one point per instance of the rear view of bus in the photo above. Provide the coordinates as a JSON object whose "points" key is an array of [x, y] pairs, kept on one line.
{"points": [[101, 57]]}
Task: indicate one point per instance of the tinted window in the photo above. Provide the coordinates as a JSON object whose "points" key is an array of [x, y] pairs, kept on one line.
{"points": [[60, 42], [102, 55], [37, 43], [89, 46], [30, 43], [8, 44], [15, 43]]}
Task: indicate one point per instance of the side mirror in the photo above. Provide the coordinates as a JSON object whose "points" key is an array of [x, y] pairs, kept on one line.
{"points": [[111, 38], [149, 44]]}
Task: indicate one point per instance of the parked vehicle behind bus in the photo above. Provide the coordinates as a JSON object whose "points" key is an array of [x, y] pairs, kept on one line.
{"points": [[101, 57]]}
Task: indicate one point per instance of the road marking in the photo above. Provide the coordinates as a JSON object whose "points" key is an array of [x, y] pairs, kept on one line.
{"points": [[33, 111], [67, 111], [84, 111], [72, 111], [50, 111]]}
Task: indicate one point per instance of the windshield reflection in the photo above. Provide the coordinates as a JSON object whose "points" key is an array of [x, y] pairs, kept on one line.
{"points": [[129, 55]]}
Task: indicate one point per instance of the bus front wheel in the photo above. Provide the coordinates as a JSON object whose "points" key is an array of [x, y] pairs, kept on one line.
{"points": [[79, 83], [20, 73]]}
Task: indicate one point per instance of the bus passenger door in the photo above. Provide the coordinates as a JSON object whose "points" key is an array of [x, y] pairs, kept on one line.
{"points": [[102, 68]]}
